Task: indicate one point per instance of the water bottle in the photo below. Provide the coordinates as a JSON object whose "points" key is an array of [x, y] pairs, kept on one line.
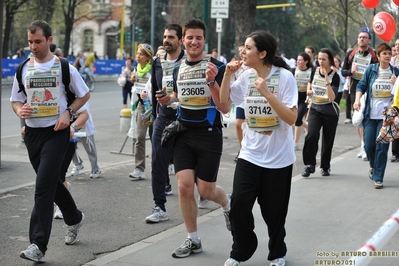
{"points": [[147, 107], [147, 103]]}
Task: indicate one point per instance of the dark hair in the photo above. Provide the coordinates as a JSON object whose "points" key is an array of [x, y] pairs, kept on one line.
{"points": [[306, 58], [382, 47], [264, 41], [177, 28], [194, 24], [338, 58], [329, 53], [311, 48], [53, 47], [39, 24], [129, 58]]}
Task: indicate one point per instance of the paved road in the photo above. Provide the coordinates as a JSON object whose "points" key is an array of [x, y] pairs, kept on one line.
{"points": [[115, 207]]}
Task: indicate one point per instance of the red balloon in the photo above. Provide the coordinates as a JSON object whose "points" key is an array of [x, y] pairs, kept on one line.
{"points": [[396, 2], [370, 3], [384, 26]]}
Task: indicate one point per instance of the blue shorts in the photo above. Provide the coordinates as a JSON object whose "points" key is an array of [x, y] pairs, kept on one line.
{"points": [[240, 113]]}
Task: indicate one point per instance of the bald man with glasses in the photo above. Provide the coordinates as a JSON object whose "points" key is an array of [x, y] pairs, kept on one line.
{"points": [[355, 63]]}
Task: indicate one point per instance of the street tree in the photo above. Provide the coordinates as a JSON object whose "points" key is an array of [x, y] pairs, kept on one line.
{"points": [[243, 15], [12, 7]]}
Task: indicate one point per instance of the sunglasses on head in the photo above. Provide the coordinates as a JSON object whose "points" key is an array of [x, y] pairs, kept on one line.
{"points": [[147, 46]]}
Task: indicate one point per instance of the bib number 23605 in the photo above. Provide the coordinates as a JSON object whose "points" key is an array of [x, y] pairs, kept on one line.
{"points": [[193, 91]]}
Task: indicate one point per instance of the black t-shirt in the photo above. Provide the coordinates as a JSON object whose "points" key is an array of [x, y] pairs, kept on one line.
{"points": [[329, 108], [205, 117]]}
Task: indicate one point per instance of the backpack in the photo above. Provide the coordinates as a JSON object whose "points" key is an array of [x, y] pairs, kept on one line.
{"points": [[66, 78], [371, 51]]}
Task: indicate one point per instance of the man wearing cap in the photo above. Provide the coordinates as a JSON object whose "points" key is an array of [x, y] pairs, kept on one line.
{"points": [[355, 63]]}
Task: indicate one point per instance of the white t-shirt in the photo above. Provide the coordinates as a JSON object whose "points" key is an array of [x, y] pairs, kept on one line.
{"points": [[377, 105], [89, 125], [77, 86], [276, 150]]}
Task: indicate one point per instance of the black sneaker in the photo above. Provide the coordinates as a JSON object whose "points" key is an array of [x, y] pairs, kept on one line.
{"points": [[310, 169], [394, 158], [168, 190], [325, 172]]}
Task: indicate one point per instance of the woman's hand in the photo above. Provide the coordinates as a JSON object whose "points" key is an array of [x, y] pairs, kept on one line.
{"points": [[232, 67], [393, 79], [261, 85], [133, 77], [356, 105], [143, 95]]}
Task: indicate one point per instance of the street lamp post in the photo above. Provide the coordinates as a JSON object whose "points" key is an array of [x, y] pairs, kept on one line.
{"points": [[152, 22]]}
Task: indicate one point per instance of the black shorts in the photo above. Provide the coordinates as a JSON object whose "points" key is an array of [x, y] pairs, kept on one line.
{"points": [[199, 150], [240, 113]]}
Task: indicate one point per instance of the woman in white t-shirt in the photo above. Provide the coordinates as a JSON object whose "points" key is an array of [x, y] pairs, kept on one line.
{"points": [[264, 166], [377, 81]]}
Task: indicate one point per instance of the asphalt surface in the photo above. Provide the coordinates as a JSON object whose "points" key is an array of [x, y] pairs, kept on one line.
{"points": [[326, 214]]}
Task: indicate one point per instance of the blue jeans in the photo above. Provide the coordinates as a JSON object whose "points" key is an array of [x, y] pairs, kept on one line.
{"points": [[377, 153]]}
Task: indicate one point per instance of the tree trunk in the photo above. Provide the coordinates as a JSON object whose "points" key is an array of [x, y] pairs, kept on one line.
{"points": [[243, 10]]}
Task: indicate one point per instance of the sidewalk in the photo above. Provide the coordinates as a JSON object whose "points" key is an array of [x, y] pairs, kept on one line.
{"points": [[343, 215]]}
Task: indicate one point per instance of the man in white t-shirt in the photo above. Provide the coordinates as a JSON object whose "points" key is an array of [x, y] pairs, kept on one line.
{"points": [[47, 115]]}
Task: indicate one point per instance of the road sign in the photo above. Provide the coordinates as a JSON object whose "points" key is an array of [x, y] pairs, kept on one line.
{"points": [[220, 9], [218, 25]]}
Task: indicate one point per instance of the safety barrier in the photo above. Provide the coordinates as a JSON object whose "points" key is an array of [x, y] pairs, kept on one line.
{"points": [[377, 242]]}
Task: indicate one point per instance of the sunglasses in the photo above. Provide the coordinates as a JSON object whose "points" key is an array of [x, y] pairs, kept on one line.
{"points": [[364, 30], [147, 46]]}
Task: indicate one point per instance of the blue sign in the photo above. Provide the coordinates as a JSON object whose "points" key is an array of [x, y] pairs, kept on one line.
{"points": [[101, 67]]}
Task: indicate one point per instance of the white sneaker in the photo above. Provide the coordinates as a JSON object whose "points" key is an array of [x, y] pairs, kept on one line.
{"points": [[32, 253], [348, 121], [157, 215], [72, 232], [231, 262], [76, 169], [202, 202], [278, 262], [57, 212], [137, 175], [364, 155], [171, 169], [96, 174]]}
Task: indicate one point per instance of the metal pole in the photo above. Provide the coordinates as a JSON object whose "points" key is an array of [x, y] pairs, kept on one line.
{"points": [[133, 38], [373, 31], [1, 67], [205, 19], [122, 36], [152, 21], [219, 44]]}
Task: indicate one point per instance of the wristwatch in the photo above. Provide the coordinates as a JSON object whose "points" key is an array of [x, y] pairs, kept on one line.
{"points": [[75, 127], [71, 112], [211, 83]]}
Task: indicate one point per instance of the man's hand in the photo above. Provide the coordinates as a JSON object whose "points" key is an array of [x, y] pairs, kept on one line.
{"points": [[211, 72], [25, 111], [63, 121]]}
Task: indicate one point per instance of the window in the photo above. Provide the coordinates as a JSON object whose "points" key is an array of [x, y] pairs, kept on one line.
{"points": [[88, 39]]}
